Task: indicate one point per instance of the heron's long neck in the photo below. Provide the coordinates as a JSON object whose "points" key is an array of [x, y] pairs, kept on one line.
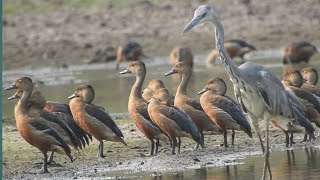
{"points": [[136, 88], [182, 89], [231, 68]]}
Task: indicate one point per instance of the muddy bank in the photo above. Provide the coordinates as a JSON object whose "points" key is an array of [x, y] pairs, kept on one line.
{"points": [[60, 33], [19, 158]]}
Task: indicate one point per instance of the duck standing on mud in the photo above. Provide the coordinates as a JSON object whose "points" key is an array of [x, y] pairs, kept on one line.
{"points": [[171, 120], [93, 119], [138, 107], [36, 130], [222, 110]]}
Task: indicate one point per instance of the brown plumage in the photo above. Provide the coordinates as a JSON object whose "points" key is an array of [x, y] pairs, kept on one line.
{"points": [[130, 51], [36, 130], [292, 81], [234, 47], [171, 120], [138, 108], [153, 86], [188, 104], [297, 52], [181, 54], [310, 79], [222, 110], [93, 119], [60, 115]]}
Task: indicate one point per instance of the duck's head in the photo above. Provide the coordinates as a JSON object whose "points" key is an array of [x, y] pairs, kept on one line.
{"points": [[293, 78], [216, 85], [22, 83], [135, 67], [180, 68], [85, 92]]}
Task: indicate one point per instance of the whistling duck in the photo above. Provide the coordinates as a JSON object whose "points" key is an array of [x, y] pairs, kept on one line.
{"points": [[93, 119], [138, 107], [171, 120], [297, 52], [310, 78], [181, 54], [234, 47], [188, 104], [130, 51], [300, 124], [222, 110], [292, 81], [153, 86], [63, 124], [60, 110], [36, 130]]}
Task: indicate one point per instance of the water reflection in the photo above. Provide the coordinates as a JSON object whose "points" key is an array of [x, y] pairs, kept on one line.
{"points": [[286, 165]]}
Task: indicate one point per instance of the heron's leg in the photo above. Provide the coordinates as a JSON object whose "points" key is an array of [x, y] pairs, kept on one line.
{"points": [[179, 144], [152, 147], [44, 168], [267, 152], [50, 160], [157, 146], [100, 152], [232, 136], [174, 144]]}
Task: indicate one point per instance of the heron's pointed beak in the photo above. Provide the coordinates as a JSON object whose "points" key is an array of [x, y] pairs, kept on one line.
{"points": [[194, 21], [126, 71], [72, 96], [203, 91], [13, 97], [11, 87], [172, 71]]}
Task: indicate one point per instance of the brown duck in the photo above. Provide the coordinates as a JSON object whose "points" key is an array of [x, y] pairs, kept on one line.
{"points": [[310, 79], [138, 108], [93, 119], [171, 120]]}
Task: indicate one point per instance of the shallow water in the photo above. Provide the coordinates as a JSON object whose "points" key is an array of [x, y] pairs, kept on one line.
{"points": [[112, 90], [286, 165]]}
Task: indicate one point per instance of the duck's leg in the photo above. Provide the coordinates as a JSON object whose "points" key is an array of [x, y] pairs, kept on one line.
{"points": [[100, 151], [174, 144], [232, 136], [287, 139], [157, 146], [179, 144], [44, 168], [225, 143], [291, 140], [50, 160], [152, 147]]}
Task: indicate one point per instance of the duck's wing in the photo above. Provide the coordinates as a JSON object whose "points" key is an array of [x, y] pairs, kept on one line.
{"points": [[57, 107], [182, 119], [99, 113], [45, 128], [194, 103], [55, 119], [302, 94]]}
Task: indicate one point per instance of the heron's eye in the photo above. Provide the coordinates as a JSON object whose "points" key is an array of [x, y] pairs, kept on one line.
{"points": [[203, 15]]}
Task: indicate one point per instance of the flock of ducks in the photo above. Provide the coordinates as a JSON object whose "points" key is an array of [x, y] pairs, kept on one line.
{"points": [[161, 116]]}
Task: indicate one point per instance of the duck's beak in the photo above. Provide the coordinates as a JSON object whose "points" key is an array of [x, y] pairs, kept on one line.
{"points": [[72, 96], [172, 71], [194, 21], [150, 100], [203, 91], [126, 71], [13, 97], [11, 87]]}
